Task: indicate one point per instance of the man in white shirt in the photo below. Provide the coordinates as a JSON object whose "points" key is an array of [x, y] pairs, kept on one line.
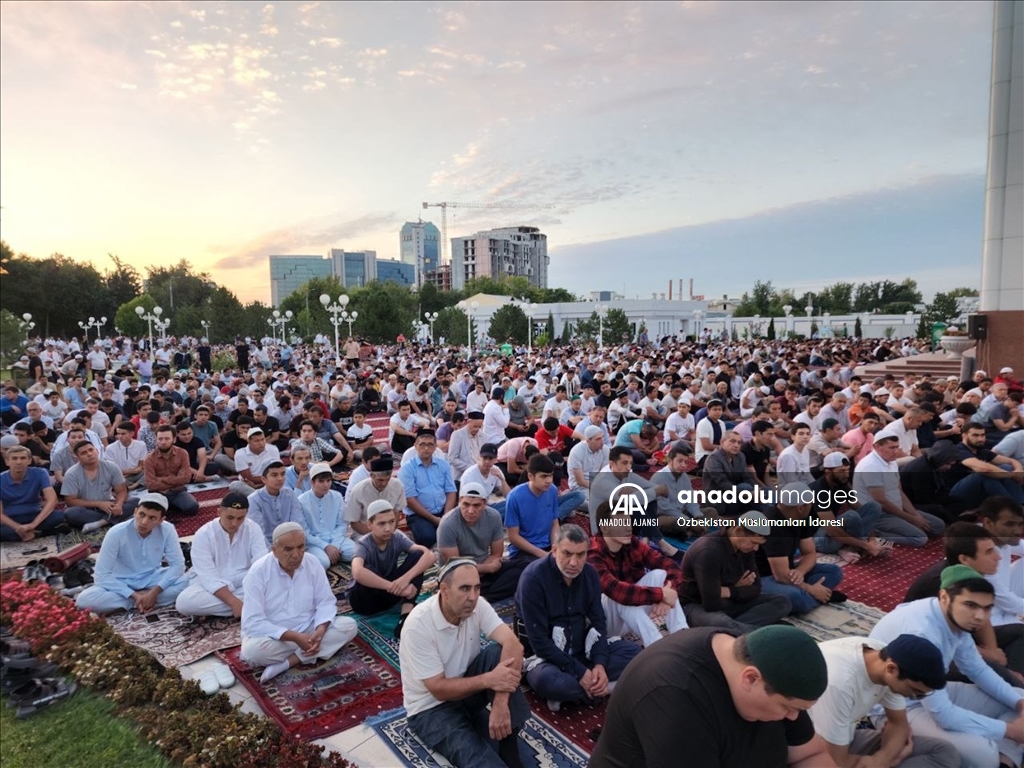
{"points": [[557, 405], [877, 478], [251, 461], [477, 399], [128, 454], [223, 551], [586, 459], [864, 674], [680, 424], [464, 446], [496, 417], [448, 680], [795, 461], [489, 477], [289, 614], [905, 428]]}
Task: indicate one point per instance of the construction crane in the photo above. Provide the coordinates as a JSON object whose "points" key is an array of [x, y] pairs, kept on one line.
{"points": [[486, 206]]}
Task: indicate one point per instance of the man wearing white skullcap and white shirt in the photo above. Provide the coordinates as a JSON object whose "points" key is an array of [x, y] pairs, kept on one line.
{"points": [[289, 614], [223, 551]]}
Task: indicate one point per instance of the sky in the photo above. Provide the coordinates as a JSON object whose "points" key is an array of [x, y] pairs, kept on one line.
{"points": [[792, 141]]}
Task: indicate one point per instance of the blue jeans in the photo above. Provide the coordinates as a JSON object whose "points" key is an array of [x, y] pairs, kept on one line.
{"points": [[802, 601], [856, 522], [976, 487], [422, 531], [45, 528], [552, 683], [459, 729], [568, 502]]}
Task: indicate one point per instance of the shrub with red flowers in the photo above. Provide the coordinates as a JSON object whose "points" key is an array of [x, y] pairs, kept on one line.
{"points": [[40, 615], [190, 728]]}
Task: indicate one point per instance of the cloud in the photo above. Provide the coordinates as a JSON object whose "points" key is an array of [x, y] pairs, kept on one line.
{"points": [[317, 235]]}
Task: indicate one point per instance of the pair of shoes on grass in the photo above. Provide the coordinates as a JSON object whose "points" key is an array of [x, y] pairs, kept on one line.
{"points": [[216, 677]]}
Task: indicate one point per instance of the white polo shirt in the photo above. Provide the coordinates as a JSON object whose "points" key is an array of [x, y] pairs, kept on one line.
{"points": [[432, 645], [907, 437]]}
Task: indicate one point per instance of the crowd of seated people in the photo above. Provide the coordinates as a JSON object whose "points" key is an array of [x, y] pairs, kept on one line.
{"points": [[492, 470]]}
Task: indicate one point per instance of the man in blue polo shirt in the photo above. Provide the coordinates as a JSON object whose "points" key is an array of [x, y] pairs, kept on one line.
{"points": [[27, 500], [429, 489], [531, 512]]}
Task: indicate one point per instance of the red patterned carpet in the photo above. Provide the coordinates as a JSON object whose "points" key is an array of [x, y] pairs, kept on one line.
{"points": [[581, 724], [882, 582], [188, 525], [337, 694]]}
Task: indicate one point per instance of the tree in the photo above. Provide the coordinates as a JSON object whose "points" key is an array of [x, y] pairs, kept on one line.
{"points": [[836, 299], [771, 329], [12, 339], [943, 308], [386, 310], [556, 296], [566, 337], [858, 330], [452, 325], [129, 321], [549, 327], [123, 283], [308, 296], [509, 322], [178, 286], [616, 327], [587, 330]]}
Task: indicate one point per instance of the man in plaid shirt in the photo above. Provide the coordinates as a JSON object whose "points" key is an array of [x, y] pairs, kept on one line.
{"points": [[636, 581]]}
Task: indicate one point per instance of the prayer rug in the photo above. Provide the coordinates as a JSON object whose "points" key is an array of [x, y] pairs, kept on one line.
{"points": [[883, 581], [849, 619], [317, 701], [177, 640], [209, 502], [580, 723], [76, 537], [540, 745], [18, 554]]}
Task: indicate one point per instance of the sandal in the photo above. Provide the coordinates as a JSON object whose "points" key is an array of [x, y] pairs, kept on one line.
{"points": [[57, 689]]}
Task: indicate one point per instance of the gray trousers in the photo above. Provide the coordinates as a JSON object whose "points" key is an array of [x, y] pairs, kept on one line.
{"points": [[927, 752]]}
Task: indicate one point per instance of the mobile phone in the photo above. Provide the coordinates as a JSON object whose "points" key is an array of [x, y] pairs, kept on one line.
{"points": [[152, 618]]}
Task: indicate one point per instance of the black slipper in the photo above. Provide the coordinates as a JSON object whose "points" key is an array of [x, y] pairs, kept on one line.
{"points": [[58, 690]]}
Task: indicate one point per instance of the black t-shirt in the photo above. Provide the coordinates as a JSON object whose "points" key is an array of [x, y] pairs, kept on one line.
{"points": [[783, 541], [927, 584], [678, 683], [269, 426], [192, 449], [233, 441], [757, 458], [958, 471], [344, 419]]}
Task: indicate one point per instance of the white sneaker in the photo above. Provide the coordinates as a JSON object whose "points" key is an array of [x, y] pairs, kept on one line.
{"points": [[225, 679], [208, 682]]}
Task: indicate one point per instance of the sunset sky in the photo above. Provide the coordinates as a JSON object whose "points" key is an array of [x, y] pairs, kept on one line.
{"points": [[226, 132]]}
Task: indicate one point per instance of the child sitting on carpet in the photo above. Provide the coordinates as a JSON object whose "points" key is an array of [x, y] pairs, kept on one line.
{"points": [[380, 582]]}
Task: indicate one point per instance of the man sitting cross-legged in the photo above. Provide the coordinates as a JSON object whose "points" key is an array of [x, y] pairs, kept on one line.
{"points": [[558, 604], [639, 582], [380, 582], [223, 551], [130, 571], [721, 586], [474, 531], [448, 680], [289, 614], [865, 673], [323, 512]]}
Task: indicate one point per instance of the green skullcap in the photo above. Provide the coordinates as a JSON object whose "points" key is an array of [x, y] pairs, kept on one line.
{"points": [[789, 660], [954, 574]]}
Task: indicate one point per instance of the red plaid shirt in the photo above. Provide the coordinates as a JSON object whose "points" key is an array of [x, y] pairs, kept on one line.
{"points": [[620, 571]]}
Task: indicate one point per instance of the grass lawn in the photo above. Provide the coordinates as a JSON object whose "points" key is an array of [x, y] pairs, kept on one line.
{"points": [[81, 732]]}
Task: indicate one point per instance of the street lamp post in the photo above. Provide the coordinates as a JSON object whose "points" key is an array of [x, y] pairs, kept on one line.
{"points": [[150, 318], [788, 309], [281, 321], [273, 327], [697, 315], [529, 308], [26, 324], [431, 317], [93, 323], [470, 309], [809, 309], [206, 327], [600, 309], [335, 309]]}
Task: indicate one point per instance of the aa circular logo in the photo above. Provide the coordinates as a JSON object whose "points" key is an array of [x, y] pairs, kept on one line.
{"points": [[627, 499]]}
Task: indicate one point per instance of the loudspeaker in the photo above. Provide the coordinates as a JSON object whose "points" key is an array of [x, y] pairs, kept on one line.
{"points": [[977, 326]]}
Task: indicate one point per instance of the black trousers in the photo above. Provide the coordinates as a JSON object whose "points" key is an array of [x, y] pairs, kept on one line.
{"points": [[369, 601]]}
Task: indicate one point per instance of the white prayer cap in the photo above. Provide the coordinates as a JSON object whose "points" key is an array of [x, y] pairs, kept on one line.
{"points": [[284, 529]]}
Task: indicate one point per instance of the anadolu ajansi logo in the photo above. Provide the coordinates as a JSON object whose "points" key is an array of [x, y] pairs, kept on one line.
{"points": [[627, 499]]}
